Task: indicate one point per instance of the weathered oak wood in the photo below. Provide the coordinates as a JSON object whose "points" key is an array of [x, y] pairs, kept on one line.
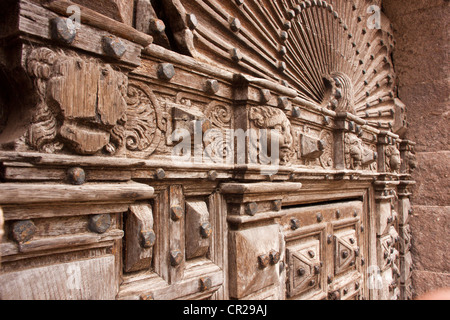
{"points": [[98, 20], [96, 205], [92, 279], [12, 193], [36, 21], [140, 238]]}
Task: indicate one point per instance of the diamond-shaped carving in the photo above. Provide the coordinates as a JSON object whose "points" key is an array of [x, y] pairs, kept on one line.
{"points": [[346, 251], [304, 267]]}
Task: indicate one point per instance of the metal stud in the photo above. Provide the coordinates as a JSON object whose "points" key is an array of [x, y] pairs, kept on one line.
{"points": [[263, 260], [166, 71], [277, 205], [235, 25], [148, 239], [160, 174], [176, 257], [205, 284], [295, 224], [316, 269], [63, 30], [329, 239], [291, 14], [157, 26], [212, 175], [283, 103], [192, 21], [319, 217], [206, 230], [113, 47], [99, 223], [274, 256], [76, 176], [251, 208], [265, 95], [23, 231], [212, 86], [176, 212], [296, 112], [236, 55]]}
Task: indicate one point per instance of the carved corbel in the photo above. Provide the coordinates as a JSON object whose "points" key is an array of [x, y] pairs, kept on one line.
{"points": [[139, 238], [311, 148], [357, 156], [408, 155], [393, 159], [80, 100], [390, 159], [278, 127]]}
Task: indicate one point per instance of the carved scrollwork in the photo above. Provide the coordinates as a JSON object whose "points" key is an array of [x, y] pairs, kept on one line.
{"points": [[43, 129], [220, 115], [142, 132], [218, 146]]}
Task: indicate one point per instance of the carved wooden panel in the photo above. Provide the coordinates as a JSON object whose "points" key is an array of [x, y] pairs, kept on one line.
{"points": [[92, 279], [139, 238], [253, 262], [202, 150], [325, 249], [346, 250], [198, 229], [304, 264]]}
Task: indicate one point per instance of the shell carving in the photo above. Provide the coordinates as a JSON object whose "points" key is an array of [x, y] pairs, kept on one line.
{"points": [[335, 53]]}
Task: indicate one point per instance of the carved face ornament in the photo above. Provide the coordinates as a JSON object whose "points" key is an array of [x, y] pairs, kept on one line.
{"points": [[279, 128]]}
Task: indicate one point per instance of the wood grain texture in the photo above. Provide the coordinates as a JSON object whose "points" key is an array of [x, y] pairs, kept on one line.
{"points": [[177, 234], [143, 226], [139, 221], [42, 193], [35, 21], [92, 279], [2, 232], [98, 20]]}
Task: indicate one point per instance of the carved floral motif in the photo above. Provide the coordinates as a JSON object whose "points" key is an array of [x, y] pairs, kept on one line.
{"points": [[141, 129]]}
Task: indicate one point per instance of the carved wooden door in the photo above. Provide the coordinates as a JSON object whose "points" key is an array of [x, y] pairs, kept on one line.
{"points": [[325, 249], [133, 162]]}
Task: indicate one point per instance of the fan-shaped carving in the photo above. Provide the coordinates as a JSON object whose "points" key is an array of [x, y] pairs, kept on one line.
{"points": [[328, 51]]}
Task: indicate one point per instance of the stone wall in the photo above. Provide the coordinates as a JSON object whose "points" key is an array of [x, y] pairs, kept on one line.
{"points": [[422, 65]]}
